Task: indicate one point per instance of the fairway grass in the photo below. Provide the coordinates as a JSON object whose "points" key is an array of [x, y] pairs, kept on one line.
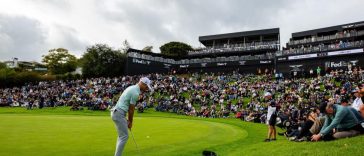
{"points": [[96, 135], [62, 132]]}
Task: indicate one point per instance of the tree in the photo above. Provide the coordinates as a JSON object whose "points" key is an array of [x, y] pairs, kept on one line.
{"points": [[2, 65], [125, 46], [60, 61], [148, 48], [100, 60], [198, 49], [7, 77], [175, 49]]}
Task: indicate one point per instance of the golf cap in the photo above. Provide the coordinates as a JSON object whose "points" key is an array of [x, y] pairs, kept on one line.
{"points": [[355, 90], [267, 94], [146, 81]]}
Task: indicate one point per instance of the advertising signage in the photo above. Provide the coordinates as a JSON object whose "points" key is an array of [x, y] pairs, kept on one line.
{"points": [[298, 57], [232, 63], [341, 59], [323, 54], [140, 61], [345, 52], [198, 65], [341, 63], [325, 63]]}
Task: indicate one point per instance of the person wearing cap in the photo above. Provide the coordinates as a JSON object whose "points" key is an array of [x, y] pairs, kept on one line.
{"points": [[345, 120], [357, 102], [271, 117], [126, 105]]}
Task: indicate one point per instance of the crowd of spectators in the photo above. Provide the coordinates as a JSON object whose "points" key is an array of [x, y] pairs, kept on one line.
{"points": [[205, 95], [322, 47], [336, 36], [226, 48], [340, 40], [95, 94]]}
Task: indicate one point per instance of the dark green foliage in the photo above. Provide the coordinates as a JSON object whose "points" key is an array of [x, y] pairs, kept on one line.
{"points": [[100, 60], [59, 61], [177, 49]]}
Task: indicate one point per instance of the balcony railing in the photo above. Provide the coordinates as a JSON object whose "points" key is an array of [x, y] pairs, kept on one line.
{"points": [[339, 35], [322, 47], [202, 60], [237, 47]]}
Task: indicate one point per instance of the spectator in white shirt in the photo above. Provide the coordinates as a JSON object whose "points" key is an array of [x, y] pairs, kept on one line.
{"points": [[357, 102]]}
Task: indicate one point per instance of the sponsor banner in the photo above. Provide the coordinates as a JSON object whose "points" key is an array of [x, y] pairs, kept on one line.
{"points": [[184, 66], [242, 63], [136, 61], [265, 62], [221, 64], [282, 58], [200, 65], [353, 25], [341, 64], [229, 63], [296, 66], [167, 65], [140, 61], [297, 57], [40, 69], [323, 54], [345, 52]]}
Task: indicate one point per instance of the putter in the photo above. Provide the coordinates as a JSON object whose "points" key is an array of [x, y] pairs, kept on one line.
{"points": [[136, 145]]}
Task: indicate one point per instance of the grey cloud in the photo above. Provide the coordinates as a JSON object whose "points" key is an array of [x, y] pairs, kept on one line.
{"points": [[155, 22], [20, 37], [28, 39], [143, 21], [189, 19], [56, 4], [68, 38]]}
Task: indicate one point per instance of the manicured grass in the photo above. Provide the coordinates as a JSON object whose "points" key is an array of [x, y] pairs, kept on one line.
{"points": [[62, 132]]}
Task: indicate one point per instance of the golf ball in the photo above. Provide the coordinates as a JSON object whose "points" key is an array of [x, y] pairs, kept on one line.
{"points": [[148, 136]]}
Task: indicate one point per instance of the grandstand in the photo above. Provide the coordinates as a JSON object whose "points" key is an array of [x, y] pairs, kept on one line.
{"points": [[331, 48], [248, 52], [138, 60], [240, 43]]}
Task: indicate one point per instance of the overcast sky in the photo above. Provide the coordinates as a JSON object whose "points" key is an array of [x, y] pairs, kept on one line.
{"points": [[29, 28]]}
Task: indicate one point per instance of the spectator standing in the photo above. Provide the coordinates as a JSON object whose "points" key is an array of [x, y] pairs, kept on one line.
{"points": [[271, 117]]}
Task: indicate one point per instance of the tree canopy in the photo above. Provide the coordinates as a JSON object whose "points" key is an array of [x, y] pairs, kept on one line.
{"points": [[60, 61], [148, 48], [2, 65], [100, 60], [175, 49]]}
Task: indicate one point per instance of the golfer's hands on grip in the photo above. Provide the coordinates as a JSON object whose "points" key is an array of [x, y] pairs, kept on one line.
{"points": [[130, 124]]}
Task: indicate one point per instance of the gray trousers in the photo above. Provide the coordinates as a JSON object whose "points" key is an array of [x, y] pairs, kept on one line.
{"points": [[121, 125], [346, 134]]}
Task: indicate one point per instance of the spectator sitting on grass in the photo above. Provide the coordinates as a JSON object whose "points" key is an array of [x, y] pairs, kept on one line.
{"points": [[340, 118]]}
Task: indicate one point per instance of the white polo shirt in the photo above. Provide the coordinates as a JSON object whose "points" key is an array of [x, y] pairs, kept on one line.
{"points": [[128, 97]]}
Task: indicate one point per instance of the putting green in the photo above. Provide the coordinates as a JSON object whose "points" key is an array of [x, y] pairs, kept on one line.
{"points": [[96, 135]]}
